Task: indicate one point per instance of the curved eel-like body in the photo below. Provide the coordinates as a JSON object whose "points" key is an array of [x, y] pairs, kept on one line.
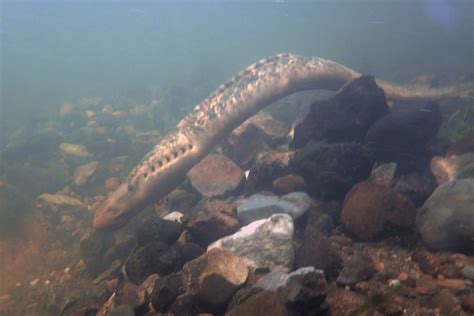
{"points": [[260, 84]]}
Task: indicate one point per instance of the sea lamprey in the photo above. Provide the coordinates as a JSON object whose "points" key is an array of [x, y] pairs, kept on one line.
{"points": [[257, 86]]}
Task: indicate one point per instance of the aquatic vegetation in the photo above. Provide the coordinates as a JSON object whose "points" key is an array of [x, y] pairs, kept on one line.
{"points": [[459, 123]]}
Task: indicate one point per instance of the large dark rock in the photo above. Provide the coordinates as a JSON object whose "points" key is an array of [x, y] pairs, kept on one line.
{"points": [[344, 117], [165, 292], [316, 250], [416, 186], [402, 135], [214, 220], [159, 230], [142, 262], [330, 170], [157, 257]]}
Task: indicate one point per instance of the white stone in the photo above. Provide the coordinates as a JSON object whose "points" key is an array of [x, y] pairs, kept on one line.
{"points": [[174, 217], [263, 206], [264, 244]]}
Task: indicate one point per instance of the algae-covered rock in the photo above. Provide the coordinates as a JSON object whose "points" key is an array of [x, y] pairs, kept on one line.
{"points": [[330, 170]]}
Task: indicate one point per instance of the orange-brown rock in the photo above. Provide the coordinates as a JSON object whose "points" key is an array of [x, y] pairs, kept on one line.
{"points": [[261, 304], [368, 207], [216, 175], [288, 184]]}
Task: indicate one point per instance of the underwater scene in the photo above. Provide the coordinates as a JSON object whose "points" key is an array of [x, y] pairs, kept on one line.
{"points": [[215, 157]]}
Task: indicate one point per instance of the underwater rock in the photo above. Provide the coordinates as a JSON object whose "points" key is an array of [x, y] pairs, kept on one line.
{"points": [[446, 220], [134, 296], [165, 291], [83, 172], [315, 250], [330, 170], [256, 243], [287, 184], [304, 288], [214, 220], [415, 186], [181, 200], [384, 174], [275, 130], [14, 206], [345, 117], [468, 272], [174, 217], [142, 262], [122, 310], [214, 277], [402, 135], [60, 200], [215, 176], [264, 303], [157, 257], [253, 136], [76, 153], [452, 167], [359, 268], [369, 207], [317, 221], [263, 206], [159, 229], [246, 146], [185, 304], [268, 166]]}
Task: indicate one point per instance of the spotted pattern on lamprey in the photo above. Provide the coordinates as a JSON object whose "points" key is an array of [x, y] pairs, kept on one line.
{"points": [[257, 86], [228, 94]]}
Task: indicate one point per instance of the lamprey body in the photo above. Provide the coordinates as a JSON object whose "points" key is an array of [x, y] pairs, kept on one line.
{"points": [[260, 84]]}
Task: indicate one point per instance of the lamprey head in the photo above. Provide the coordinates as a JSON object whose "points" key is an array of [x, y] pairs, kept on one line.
{"points": [[118, 208]]}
